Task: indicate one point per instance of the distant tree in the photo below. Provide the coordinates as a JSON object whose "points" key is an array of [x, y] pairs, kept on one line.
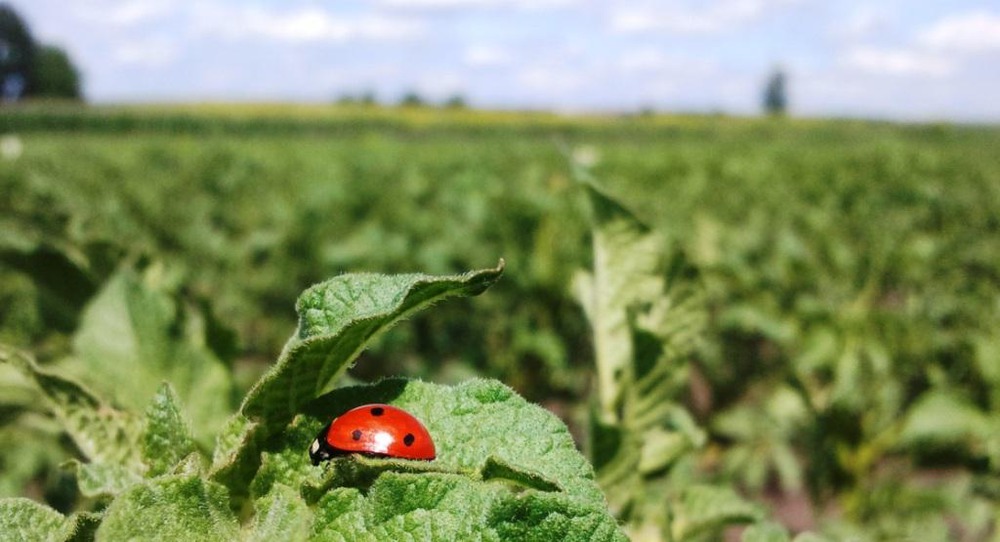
{"points": [[17, 54], [368, 98], [412, 99], [30, 69], [347, 99], [54, 75], [775, 94], [456, 102]]}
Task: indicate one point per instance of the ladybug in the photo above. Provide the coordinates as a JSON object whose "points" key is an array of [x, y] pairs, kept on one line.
{"points": [[376, 429]]}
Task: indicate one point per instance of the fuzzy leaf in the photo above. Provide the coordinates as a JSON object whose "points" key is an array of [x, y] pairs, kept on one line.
{"points": [[127, 346], [486, 437], [237, 453], [707, 509], [103, 434], [498, 469], [357, 470], [765, 532], [170, 508], [627, 258], [103, 479], [280, 515], [337, 319], [647, 315], [481, 428], [403, 506], [167, 439], [940, 418], [25, 520]]}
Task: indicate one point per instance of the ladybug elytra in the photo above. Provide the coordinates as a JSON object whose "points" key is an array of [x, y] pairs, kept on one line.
{"points": [[376, 429]]}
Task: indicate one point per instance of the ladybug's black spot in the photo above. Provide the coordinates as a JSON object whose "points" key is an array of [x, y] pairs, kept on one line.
{"points": [[408, 439], [378, 411], [356, 434]]}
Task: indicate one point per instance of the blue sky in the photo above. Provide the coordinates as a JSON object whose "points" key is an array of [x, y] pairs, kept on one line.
{"points": [[897, 59]]}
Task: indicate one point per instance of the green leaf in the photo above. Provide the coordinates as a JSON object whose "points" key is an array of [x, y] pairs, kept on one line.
{"points": [[705, 509], [167, 439], [280, 515], [765, 532], [486, 437], [481, 429], [810, 537], [104, 435], [103, 479], [128, 344], [237, 453], [404, 506], [627, 264], [941, 418], [170, 508], [647, 313], [337, 319], [25, 520], [498, 469]]}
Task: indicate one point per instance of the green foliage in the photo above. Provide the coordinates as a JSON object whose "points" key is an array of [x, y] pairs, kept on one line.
{"points": [[775, 96], [128, 343], [170, 508], [24, 519], [506, 469], [166, 439], [706, 509], [54, 75], [846, 363], [19, 56], [43, 71], [647, 315], [336, 320], [103, 434]]}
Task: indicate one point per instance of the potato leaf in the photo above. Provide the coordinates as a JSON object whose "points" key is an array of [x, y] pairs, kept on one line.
{"points": [[337, 319], [27, 521], [128, 344], [404, 506], [103, 434], [166, 439], [704, 508], [481, 429], [280, 515], [170, 508]]}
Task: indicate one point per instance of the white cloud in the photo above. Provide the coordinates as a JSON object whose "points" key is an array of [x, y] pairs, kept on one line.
{"points": [[486, 56], [134, 12], [969, 32], [652, 60], [304, 25], [474, 4], [861, 24], [643, 60], [897, 62], [718, 17], [440, 85], [552, 82], [150, 53]]}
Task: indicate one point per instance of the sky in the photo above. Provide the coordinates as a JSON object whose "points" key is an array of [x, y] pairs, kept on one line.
{"points": [[918, 60]]}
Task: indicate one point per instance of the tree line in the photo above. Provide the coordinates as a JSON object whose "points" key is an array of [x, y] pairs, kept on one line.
{"points": [[29, 69]]}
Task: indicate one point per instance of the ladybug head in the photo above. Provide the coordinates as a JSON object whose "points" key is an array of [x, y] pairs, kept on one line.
{"points": [[319, 450]]}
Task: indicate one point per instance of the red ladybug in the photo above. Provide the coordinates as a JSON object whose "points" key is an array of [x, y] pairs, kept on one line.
{"points": [[377, 429]]}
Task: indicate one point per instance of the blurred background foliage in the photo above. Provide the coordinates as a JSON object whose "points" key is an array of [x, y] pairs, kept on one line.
{"points": [[846, 375]]}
